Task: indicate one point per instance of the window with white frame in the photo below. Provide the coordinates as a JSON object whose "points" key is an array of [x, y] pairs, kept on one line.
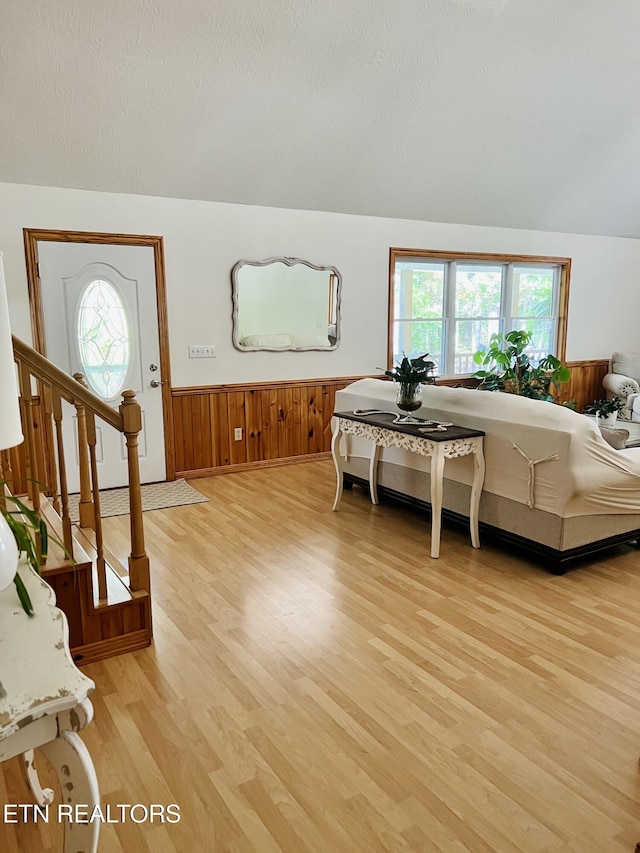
{"points": [[449, 305]]}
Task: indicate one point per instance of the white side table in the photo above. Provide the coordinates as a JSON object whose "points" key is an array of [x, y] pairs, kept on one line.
{"points": [[45, 704], [453, 442]]}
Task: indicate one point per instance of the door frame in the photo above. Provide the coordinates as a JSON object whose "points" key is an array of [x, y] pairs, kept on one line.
{"points": [[31, 238]]}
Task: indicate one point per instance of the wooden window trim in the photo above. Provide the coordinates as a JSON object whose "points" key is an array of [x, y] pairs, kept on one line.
{"points": [[437, 254]]}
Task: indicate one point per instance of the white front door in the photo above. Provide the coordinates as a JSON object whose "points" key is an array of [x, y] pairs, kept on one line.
{"points": [[100, 319]]}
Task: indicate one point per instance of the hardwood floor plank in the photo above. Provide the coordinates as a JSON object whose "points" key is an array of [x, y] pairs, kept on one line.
{"points": [[318, 683]]}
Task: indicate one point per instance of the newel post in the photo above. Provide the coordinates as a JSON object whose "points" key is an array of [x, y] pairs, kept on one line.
{"points": [[138, 560]]}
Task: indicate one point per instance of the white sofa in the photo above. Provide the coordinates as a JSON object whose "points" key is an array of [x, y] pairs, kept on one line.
{"points": [[552, 483]]}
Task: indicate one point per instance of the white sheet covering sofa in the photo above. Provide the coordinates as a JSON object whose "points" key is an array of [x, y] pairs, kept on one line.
{"points": [[552, 483]]}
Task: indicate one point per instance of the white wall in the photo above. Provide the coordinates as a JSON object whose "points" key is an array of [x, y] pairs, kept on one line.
{"points": [[203, 240]]}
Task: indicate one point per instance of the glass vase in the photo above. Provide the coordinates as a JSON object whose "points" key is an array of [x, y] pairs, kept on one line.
{"points": [[408, 399]]}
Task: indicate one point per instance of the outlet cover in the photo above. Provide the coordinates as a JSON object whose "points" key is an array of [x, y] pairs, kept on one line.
{"points": [[237, 433], [202, 351]]}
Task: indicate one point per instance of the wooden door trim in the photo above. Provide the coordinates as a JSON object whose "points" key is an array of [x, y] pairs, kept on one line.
{"points": [[31, 238]]}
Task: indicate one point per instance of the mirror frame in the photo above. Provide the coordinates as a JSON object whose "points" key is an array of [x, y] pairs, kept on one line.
{"points": [[290, 262]]}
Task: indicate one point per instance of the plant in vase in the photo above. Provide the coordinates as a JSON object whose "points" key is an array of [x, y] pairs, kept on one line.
{"points": [[411, 374], [606, 411], [31, 535], [507, 367]]}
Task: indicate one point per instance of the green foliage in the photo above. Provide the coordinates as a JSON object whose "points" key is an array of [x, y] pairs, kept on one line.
{"points": [[25, 525], [422, 319], [507, 367], [604, 407], [412, 371]]}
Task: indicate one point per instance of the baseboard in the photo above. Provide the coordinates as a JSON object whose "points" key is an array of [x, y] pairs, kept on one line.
{"points": [[102, 649], [250, 466]]}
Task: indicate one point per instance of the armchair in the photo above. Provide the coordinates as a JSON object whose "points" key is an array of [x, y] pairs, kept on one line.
{"points": [[623, 380]]}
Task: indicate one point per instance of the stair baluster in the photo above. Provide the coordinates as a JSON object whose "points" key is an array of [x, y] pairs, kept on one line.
{"points": [[56, 407], [85, 507], [97, 518]]}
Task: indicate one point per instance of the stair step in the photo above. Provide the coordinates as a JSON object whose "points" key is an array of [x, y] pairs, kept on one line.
{"points": [[117, 581], [84, 554]]}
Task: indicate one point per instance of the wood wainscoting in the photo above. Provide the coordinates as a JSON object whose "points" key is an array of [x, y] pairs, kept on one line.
{"points": [[585, 384], [280, 422]]}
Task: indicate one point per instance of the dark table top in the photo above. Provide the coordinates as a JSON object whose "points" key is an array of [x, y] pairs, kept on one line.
{"points": [[386, 419]]}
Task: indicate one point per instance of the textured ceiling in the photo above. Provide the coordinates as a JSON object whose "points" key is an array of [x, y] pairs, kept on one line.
{"points": [[521, 114]]}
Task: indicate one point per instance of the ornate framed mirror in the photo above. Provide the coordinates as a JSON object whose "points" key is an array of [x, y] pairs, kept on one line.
{"points": [[285, 304]]}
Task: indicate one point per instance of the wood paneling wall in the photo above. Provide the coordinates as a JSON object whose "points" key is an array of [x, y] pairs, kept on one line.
{"points": [[585, 384], [279, 421]]}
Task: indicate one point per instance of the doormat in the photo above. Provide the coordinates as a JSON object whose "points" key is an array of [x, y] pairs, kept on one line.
{"points": [[154, 496]]}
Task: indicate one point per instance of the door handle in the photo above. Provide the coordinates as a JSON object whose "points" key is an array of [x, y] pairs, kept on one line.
{"points": [[155, 383]]}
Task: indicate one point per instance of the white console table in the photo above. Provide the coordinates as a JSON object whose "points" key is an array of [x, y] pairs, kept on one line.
{"points": [[44, 703], [453, 442]]}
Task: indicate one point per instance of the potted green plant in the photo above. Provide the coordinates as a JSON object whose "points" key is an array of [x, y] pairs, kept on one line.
{"points": [[411, 374], [606, 411], [506, 366], [25, 526]]}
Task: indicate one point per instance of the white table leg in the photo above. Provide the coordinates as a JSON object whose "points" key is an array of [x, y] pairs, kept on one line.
{"points": [[476, 491], [337, 461], [373, 473], [42, 796], [437, 476], [72, 763]]}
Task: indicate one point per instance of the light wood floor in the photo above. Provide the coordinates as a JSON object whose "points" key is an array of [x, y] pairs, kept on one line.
{"points": [[318, 683]]}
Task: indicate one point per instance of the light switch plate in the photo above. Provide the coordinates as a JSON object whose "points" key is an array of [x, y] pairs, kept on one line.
{"points": [[202, 351]]}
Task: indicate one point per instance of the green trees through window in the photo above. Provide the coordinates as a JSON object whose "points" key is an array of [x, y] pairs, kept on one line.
{"points": [[450, 306]]}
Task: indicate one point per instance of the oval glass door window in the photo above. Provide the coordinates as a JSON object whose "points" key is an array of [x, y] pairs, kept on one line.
{"points": [[103, 338]]}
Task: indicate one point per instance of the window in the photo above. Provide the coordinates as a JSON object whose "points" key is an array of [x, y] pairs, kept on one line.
{"points": [[450, 304], [103, 338]]}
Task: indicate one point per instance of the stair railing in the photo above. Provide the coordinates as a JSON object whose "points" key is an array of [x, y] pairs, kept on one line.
{"points": [[39, 464]]}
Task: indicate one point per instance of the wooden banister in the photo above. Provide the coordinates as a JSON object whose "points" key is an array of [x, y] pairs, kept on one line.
{"points": [[99, 580], [42, 368]]}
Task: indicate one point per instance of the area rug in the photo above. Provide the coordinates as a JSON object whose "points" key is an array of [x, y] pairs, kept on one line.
{"points": [[154, 496]]}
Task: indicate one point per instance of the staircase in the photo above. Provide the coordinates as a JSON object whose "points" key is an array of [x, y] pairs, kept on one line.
{"points": [[107, 601]]}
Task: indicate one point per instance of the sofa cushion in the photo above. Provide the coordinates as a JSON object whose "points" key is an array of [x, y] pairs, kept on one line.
{"points": [[626, 363], [617, 438]]}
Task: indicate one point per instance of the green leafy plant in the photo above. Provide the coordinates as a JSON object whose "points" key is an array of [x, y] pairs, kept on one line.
{"points": [[508, 367], [25, 525], [411, 371], [604, 407]]}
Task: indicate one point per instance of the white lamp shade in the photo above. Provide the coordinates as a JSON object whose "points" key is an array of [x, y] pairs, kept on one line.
{"points": [[10, 428]]}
